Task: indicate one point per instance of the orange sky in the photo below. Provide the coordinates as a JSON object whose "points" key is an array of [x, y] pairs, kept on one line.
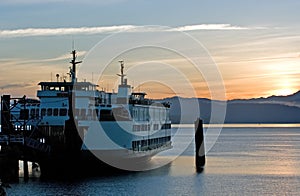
{"points": [[252, 63]]}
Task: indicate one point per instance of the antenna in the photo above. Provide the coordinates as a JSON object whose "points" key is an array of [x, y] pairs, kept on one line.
{"points": [[74, 63], [72, 42], [122, 75]]}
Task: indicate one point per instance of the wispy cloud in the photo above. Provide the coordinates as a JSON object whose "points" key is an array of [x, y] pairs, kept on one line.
{"points": [[62, 57], [16, 85], [112, 29], [22, 2], [210, 27], [271, 58], [63, 31], [18, 61]]}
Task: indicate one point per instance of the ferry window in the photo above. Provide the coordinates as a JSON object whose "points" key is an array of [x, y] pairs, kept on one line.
{"points": [[55, 112], [77, 112], [63, 112], [43, 112], [37, 111], [106, 115], [24, 114], [49, 112], [32, 113], [135, 114], [83, 112]]}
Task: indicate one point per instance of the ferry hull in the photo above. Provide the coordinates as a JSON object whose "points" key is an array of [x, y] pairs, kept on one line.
{"points": [[97, 162]]}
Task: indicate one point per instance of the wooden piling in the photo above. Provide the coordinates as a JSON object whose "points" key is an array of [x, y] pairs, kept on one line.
{"points": [[26, 173], [200, 146]]}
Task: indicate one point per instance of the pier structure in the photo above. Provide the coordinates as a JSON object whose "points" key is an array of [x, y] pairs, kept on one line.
{"points": [[26, 134], [18, 140]]}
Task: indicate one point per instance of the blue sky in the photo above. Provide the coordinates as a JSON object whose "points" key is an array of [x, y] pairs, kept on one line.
{"points": [[254, 42], [66, 13]]}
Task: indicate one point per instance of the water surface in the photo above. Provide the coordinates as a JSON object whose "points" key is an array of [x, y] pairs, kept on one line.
{"points": [[246, 160]]}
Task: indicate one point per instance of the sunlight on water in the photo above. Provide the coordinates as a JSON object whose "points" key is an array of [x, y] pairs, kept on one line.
{"points": [[251, 125]]}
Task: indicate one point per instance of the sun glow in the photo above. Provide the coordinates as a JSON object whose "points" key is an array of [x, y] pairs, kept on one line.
{"points": [[285, 87], [285, 91]]}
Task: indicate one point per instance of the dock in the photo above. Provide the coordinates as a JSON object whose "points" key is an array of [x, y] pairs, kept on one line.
{"points": [[19, 141]]}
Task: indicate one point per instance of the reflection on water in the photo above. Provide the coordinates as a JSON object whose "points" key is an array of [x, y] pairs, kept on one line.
{"points": [[33, 169], [244, 161], [250, 125]]}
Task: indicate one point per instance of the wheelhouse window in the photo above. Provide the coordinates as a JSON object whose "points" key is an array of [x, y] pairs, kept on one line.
{"points": [[32, 113], [43, 112], [49, 112], [63, 112], [37, 111], [55, 112]]}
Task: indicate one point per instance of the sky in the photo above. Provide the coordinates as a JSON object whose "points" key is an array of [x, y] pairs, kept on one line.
{"points": [[253, 44]]}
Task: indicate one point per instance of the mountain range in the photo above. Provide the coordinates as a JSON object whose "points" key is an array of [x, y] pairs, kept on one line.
{"points": [[273, 109]]}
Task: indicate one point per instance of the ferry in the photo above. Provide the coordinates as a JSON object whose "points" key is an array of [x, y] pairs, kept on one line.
{"points": [[73, 121]]}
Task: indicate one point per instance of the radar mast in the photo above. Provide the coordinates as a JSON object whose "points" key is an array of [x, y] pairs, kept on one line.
{"points": [[122, 75], [74, 63]]}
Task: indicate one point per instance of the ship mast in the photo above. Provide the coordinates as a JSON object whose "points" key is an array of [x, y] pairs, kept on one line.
{"points": [[122, 75], [74, 63]]}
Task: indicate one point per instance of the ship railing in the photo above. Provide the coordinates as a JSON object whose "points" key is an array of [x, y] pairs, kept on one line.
{"points": [[16, 139], [6, 139], [29, 142], [26, 141]]}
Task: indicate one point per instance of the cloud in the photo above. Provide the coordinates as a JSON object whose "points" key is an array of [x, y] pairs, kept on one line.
{"points": [[285, 57], [62, 57], [13, 62], [15, 85], [210, 27], [63, 31], [30, 2], [112, 29]]}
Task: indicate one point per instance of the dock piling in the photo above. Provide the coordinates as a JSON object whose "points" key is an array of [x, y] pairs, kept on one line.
{"points": [[200, 146], [26, 173]]}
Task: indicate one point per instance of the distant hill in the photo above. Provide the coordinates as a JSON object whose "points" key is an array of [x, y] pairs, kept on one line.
{"points": [[273, 109], [291, 100]]}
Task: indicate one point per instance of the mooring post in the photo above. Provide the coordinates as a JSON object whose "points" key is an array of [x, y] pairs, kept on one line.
{"points": [[200, 147], [26, 173], [6, 127]]}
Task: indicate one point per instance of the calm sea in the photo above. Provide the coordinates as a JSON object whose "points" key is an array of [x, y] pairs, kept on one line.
{"points": [[245, 160]]}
